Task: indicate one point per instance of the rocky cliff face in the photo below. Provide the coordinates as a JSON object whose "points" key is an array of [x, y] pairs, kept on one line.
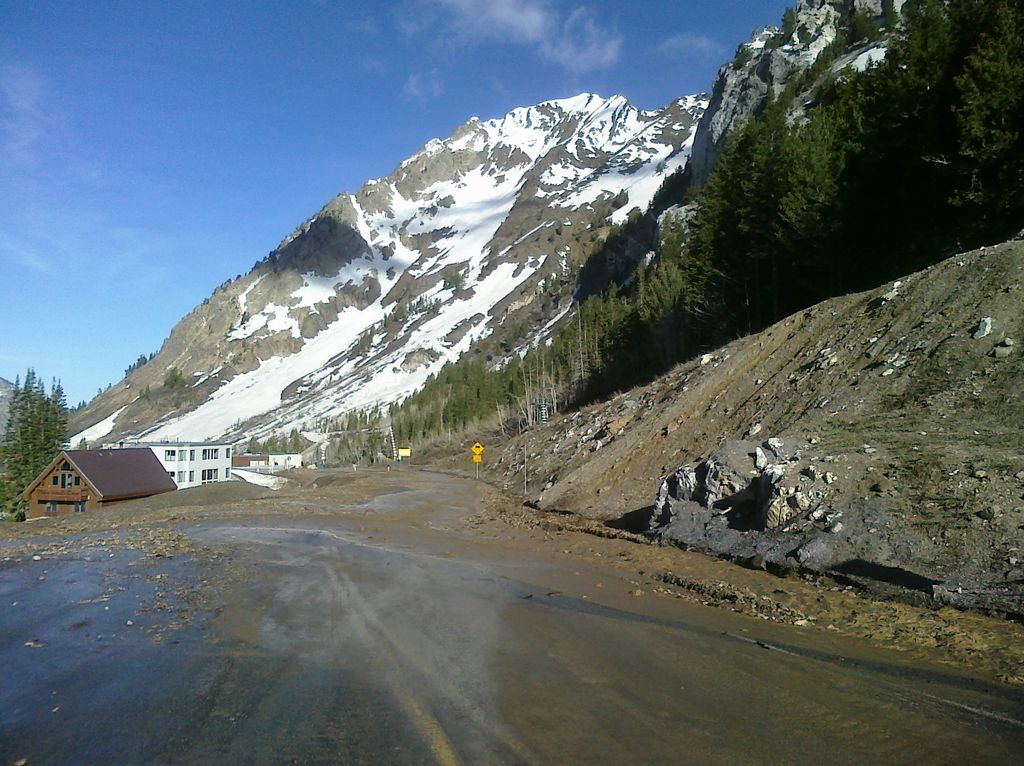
{"points": [[366, 299], [763, 65]]}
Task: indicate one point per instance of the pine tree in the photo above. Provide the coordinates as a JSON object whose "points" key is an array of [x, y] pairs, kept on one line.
{"points": [[35, 432], [990, 119]]}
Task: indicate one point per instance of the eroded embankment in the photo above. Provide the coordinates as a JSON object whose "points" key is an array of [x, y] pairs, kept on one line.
{"points": [[901, 418]]}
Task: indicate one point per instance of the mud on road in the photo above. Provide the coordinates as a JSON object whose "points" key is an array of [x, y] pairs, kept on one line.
{"points": [[419, 618]]}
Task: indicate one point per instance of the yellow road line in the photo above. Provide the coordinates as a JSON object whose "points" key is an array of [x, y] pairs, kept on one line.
{"points": [[430, 728]]}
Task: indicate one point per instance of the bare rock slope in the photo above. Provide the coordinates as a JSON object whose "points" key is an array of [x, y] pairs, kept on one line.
{"points": [[877, 436]]}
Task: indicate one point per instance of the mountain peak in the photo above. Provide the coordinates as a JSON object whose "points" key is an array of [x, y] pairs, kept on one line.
{"points": [[377, 291]]}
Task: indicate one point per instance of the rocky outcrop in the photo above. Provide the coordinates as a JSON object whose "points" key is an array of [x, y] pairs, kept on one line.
{"points": [[744, 487], [763, 66]]}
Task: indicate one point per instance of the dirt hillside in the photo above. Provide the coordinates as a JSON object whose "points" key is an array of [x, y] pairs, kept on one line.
{"points": [[900, 411]]}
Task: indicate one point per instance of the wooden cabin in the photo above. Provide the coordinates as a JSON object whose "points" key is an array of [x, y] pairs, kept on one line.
{"points": [[78, 480]]}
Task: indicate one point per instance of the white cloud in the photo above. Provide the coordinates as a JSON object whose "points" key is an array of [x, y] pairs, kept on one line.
{"points": [[581, 45], [577, 41], [685, 45], [423, 86]]}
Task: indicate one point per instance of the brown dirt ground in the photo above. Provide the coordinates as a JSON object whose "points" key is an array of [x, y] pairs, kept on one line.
{"points": [[973, 644]]}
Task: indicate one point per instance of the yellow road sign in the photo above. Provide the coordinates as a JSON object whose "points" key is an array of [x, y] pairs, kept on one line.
{"points": [[477, 449], [478, 458], [405, 452]]}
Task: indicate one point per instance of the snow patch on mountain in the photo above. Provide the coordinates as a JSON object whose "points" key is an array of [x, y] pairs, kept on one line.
{"points": [[364, 301], [98, 431]]}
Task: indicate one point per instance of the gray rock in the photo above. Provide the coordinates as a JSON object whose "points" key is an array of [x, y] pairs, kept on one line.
{"points": [[835, 527], [816, 552], [983, 329], [1001, 352], [712, 482], [775, 444], [760, 459], [775, 473], [681, 485]]}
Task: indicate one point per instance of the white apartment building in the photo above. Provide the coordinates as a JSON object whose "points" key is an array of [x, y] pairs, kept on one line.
{"points": [[191, 463]]}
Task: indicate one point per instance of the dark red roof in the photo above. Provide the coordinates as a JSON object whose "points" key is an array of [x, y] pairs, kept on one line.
{"points": [[122, 473]]}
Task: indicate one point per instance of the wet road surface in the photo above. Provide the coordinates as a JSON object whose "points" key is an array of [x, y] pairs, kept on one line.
{"points": [[377, 639]]}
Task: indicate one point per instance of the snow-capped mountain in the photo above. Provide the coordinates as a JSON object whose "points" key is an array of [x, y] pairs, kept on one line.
{"points": [[379, 289]]}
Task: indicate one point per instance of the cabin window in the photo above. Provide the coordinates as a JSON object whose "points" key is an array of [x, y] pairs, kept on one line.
{"points": [[78, 480], [55, 480], [80, 506]]}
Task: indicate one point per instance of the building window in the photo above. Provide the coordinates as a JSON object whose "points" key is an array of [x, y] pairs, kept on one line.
{"points": [[170, 454], [80, 506], [181, 455], [191, 454], [211, 453], [210, 474], [227, 473], [171, 474], [191, 476], [181, 476], [227, 452]]}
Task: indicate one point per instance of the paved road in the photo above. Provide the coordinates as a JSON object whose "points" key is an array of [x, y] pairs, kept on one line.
{"points": [[367, 640]]}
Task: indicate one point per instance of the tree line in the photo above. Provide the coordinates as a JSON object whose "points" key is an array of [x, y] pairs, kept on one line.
{"points": [[35, 432]]}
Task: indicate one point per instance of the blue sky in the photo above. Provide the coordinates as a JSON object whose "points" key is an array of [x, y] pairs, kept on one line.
{"points": [[150, 151]]}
